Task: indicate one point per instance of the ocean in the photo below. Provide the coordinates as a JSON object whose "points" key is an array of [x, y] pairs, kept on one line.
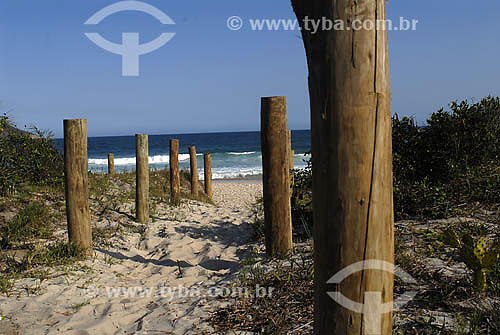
{"points": [[234, 155]]}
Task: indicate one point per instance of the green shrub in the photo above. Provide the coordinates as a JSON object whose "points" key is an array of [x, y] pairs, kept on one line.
{"points": [[453, 160], [27, 158], [302, 213]]}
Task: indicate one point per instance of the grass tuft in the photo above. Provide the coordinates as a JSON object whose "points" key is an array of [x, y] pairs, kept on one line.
{"points": [[33, 221]]}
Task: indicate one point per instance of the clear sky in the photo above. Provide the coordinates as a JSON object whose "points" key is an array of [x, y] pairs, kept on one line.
{"points": [[209, 78]]}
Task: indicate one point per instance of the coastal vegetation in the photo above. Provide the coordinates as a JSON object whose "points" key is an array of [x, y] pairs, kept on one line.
{"points": [[451, 163], [448, 166], [27, 158], [446, 176]]}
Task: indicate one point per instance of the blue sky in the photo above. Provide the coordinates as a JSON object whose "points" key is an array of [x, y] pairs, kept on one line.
{"points": [[209, 78]]}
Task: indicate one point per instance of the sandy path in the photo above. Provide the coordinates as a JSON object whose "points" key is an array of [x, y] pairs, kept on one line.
{"points": [[139, 286]]}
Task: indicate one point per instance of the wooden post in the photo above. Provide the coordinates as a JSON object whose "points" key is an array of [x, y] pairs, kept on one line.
{"points": [[276, 180], [352, 163], [175, 182], [111, 164], [207, 159], [194, 171], [76, 183], [142, 178]]}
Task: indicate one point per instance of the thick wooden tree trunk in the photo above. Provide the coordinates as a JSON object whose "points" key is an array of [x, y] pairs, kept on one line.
{"points": [[194, 171], [276, 176], [175, 181], [142, 178], [76, 183], [352, 159]]}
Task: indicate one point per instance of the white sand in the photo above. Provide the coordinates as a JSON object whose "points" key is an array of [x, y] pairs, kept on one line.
{"points": [[206, 241]]}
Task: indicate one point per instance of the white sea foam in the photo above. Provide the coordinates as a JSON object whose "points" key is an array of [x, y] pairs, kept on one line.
{"points": [[242, 153], [221, 169], [234, 172], [157, 159]]}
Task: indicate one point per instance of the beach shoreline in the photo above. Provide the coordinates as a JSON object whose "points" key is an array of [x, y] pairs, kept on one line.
{"points": [[243, 179]]}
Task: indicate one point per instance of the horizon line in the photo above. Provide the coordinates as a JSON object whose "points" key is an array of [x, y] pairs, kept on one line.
{"points": [[211, 132]]}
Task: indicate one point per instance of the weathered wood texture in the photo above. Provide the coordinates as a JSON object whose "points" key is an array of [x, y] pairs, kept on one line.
{"points": [[276, 176], [142, 178], [352, 160], [175, 181], [76, 183], [194, 171], [207, 159], [111, 164]]}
